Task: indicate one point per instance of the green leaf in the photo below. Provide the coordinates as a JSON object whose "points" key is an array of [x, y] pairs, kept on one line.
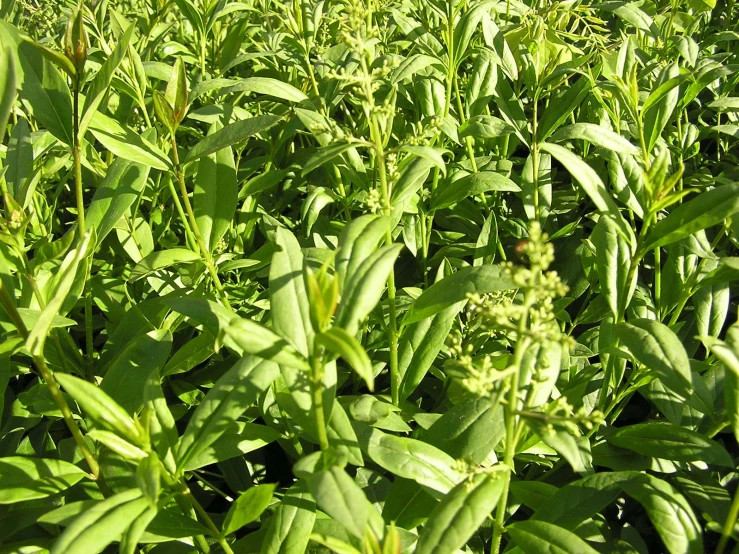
{"points": [[325, 155], [468, 431], [67, 274], [256, 339], [101, 408], [118, 445], [268, 87], [134, 533], [412, 65], [711, 306], [244, 438], [656, 347], [535, 537], [176, 93], [230, 135], [334, 544], [589, 181], [582, 499], [595, 134], [613, 259], [658, 108], [728, 353], [232, 394], [574, 449], [102, 524], [161, 260], [248, 507], [123, 183], [434, 155], [420, 344], [99, 86], [705, 210], [125, 143], [23, 478], [8, 87], [409, 458], [292, 523], [485, 127], [47, 92], [341, 343], [341, 498], [126, 375], [288, 298], [455, 288], [457, 517], [412, 176], [669, 512], [672, 442], [364, 287], [214, 201], [466, 27], [561, 106], [472, 185], [19, 161]]}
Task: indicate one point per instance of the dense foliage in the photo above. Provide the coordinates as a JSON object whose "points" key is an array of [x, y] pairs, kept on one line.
{"points": [[369, 276]]}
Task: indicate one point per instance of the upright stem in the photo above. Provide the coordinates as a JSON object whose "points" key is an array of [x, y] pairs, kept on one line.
{"points": [[535, 158], [376, 136], [511, 419], [81, 217], [731, 517], [317, 390], [56, 393], [203, 515], [449, 86], [204, 252], [78, 162]]}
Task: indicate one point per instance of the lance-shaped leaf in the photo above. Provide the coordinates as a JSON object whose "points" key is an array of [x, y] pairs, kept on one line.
{"points": [[455, 288], [230, 135], [705, 210], [256, 339], [534, 537], [341, 343], [409, 458], [23, 478], [105, 522], [456, 518], [658, 348], [67, 274], [101, 407], [669, 512], [672, 442], [232, 394], [340, 497], [292, 523], [248, 507]]}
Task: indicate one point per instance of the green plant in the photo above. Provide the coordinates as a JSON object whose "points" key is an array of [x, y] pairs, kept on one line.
{"points": [[368, 277]]}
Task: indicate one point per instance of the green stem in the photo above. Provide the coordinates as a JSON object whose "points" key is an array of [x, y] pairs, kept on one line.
{"points": [[731, 517], [204, 252], [381, 170], [203, 515], [535, 158], [317, 390], [511, 420], [56, 393], [81, 218], [658, 282], [449, 86]]}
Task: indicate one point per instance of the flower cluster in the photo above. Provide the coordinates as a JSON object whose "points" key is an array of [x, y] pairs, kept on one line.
{"points": [[526, 311]]}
